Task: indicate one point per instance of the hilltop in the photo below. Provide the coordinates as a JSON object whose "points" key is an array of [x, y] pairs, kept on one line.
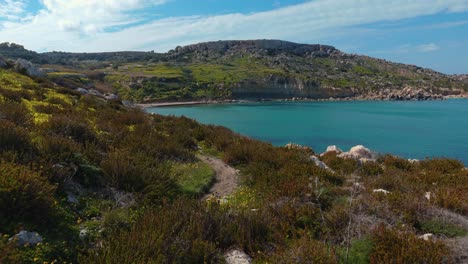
{"points": [[251, 69]]}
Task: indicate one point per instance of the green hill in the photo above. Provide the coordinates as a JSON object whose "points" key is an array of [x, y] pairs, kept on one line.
{"points": [[256, 69]]}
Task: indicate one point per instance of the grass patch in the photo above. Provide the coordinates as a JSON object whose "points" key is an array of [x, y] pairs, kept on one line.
{"points": [[439, 227], [194, 178]]}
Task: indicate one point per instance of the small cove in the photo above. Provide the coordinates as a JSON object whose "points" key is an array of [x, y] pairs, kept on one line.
{"points": [[411, 129]]}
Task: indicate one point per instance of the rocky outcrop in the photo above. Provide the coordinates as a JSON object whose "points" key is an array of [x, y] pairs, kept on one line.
{"points": [[405, 94], [26, 67], [360, 153], [320, 163], [3, 63], [262, 46], [332, 148], [26, 238]]}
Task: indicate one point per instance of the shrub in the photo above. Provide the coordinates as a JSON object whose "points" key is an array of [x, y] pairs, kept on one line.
{"points": [[440, 227], [13, 137], [71, 126], [16, 113], [305, 250], [25, 197], [392, 246]]}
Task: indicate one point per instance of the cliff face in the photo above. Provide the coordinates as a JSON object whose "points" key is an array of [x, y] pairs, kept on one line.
{"points": [[281, 87]]}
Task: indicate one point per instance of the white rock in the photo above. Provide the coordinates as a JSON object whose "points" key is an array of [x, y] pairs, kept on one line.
{"points": [[332, 149], [360, 153], [82, 91], [427, 236], [319, 163], [381, 191], [235, 256], [25, 237], [428, 195], [412, 161]]}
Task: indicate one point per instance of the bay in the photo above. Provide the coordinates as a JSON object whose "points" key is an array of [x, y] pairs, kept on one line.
{"points": [[411, 129]]}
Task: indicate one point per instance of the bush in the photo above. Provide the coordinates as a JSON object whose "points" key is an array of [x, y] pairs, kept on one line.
{"points": [[25, 197], [392, 246], [13, 138], [440, 227], [71, 126], [16, 113]]}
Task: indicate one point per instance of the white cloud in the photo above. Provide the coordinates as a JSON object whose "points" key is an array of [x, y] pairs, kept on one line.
{"points": [[427, 47], [79, 25], [11, 9]]}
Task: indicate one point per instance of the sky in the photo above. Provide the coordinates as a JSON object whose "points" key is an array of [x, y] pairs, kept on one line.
{"points": [[427, 33]]}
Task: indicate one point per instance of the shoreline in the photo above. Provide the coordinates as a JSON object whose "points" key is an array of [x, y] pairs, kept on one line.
{"points": [[234, 101]]}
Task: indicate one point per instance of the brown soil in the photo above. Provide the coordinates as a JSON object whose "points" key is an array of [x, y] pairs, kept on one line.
{"points": [[226, 177]]}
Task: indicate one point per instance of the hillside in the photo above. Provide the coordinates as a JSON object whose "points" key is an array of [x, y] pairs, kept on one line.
{"points": [[257, 69], [85, 179]]}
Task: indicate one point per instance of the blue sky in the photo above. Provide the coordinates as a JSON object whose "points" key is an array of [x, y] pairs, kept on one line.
{"points": [[428, 33]]}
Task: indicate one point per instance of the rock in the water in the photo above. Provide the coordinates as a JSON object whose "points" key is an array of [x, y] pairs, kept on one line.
{"points": [[332, 149], [237, 257], [320, 164], [25, 237], [24, 66]]}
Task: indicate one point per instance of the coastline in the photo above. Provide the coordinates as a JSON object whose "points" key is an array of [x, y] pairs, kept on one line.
{"points": [[295, 99]]}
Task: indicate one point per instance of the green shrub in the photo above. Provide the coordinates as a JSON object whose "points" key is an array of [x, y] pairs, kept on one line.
{"points": [[13, 138], [440, 227], [71, 126], [16, 113], [25, 197]]}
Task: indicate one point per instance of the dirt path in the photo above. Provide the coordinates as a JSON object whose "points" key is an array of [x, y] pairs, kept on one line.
{"points": [[226, 177]]}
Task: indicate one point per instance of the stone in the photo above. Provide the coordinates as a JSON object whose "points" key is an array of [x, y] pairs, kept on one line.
{"points": [[320, 164], [82, 90], [112, 97], [25, 66], [427, 236], [360, 153], [71, 198], [381, 191], [3, 63], [332, 149], [25, 237], [428, 195], [236, 256]]}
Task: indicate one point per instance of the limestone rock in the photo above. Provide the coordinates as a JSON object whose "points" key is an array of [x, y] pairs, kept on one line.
{"points": [[360, 153], [296, 146], [25, 237], [381, 191], [427, 236], [25, 66], [236, 256], [332, 149], [320, 164]]}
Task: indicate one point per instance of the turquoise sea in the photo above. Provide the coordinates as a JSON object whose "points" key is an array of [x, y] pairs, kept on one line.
{"points": [[409, 129]]}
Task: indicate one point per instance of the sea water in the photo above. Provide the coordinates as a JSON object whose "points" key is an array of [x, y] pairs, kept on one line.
{"points": [[411, 129]]}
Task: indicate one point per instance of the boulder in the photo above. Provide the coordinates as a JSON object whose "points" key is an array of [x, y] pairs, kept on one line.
{"points": [[360, 153], [82, 90], [25, 66], [236, 256], [332, 149], [3, 63], [25, 237], [320, 164]]}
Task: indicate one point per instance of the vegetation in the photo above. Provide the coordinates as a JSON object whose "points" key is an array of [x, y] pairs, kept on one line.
{"points": [[105, 183]]}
